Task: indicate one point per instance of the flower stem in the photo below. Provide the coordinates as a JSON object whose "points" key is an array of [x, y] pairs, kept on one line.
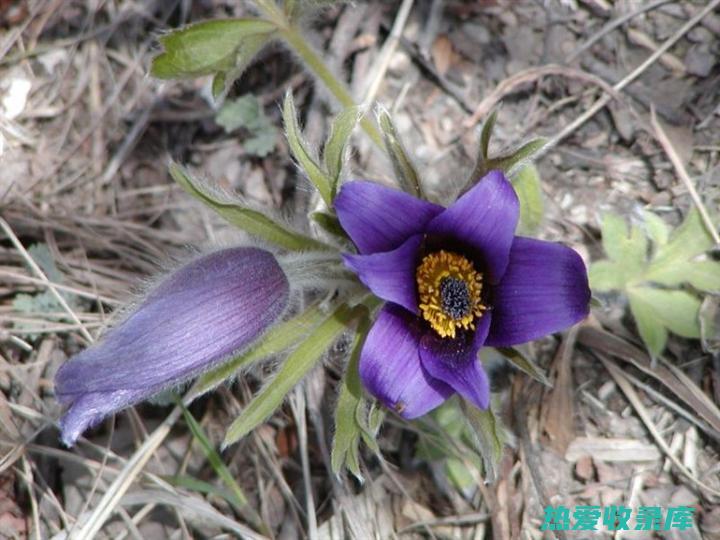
{"points": [[313, 61], [294, 38]]}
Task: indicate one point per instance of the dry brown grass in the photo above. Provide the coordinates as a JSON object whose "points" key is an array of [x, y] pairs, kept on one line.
{"points": [[85, 136]]}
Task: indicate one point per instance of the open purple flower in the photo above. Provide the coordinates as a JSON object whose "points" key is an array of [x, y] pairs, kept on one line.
{"points": [[454, 279], [202, 314]]}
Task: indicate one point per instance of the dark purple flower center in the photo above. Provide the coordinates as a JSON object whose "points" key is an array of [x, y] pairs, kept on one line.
{"points": [[449, 290], [455, 297]]}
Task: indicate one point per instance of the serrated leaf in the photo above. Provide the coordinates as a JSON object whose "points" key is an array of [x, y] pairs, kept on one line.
{"points": [[43, 257], [252, 221], [524, 363], [295, 367], [44, 302], [300, 151], [247, 112], [674, 310], [657, 229], [669, 265], [206, 48], [651, 330], [281, 338], [488, 435], [334, 150], [348, 429], [626, 247], [405, 171], [606, 276], [704, 276], [527, 186]]}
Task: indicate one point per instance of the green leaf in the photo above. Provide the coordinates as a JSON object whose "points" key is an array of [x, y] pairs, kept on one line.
{"points": [[295, 367], [481, 168], [513, 161], [704, 276], [527, 186], [657, 229], [675, 309], [199, 486], [249, 48], [350, 405], [659, 310], [219, 84], [300, 151], [405, 171], [488, 435], [486, 135], [330, 224], [524, 363], [627, 248], [670, 263], [606, 276], [247, 112], [213, 457], [281, 338], [252, 221], [207, 48], [334, 151], [651, 330], [459, 474]]}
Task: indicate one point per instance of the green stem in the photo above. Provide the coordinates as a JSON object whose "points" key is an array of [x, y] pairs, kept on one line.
{"points": [[294, 38], [313, 61]]}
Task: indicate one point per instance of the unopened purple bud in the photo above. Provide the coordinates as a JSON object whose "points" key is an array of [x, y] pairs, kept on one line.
{"points": [[200, 315]]}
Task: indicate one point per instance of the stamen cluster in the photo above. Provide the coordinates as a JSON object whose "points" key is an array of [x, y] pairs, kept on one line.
{"points": [[449, 290]]}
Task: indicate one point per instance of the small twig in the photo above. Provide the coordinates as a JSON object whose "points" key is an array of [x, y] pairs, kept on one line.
{"points": [[428, 69], [467, 519], [612, 25], [600, 103], [124, 480], [508, 86], [682, 173], [533, 464], [297, 403], [387, 51], [38, 271], [77, 292], [632, 396]]}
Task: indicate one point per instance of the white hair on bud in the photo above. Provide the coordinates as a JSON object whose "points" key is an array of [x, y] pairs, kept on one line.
{"points": [[316, 271]]}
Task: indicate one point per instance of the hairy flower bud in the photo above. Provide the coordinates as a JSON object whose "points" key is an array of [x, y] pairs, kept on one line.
{"points": [[200, 315]]}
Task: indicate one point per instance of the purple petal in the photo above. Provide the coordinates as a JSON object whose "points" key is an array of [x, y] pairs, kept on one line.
{"points": [[483, 219], [378, 218], [390, 365], [390, 275], [456, 363], [203, 313], [544, 290]]}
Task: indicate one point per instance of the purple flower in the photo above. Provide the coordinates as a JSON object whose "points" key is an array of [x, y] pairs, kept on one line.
{"points": [[454, 279], [202, 314]]}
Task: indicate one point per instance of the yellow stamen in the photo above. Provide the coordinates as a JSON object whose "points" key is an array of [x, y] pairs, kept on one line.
{"points": [[449, 289]]}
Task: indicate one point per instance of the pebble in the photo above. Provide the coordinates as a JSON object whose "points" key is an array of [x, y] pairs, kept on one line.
{"points": [[699, 60]]}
